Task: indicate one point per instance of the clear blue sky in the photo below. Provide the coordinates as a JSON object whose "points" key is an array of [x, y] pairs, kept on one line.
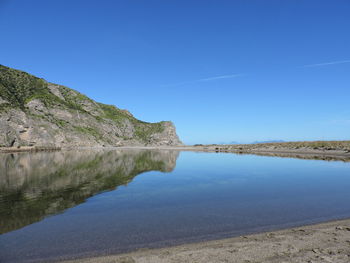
{"points": [[222, 71]]}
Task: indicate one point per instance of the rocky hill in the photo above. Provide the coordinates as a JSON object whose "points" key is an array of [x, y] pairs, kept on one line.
{"points": [[34, 112]]}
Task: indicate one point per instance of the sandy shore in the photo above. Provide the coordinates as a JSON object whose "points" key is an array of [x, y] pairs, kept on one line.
{"points": [[326, 242], [311, 154], [324, 150]]}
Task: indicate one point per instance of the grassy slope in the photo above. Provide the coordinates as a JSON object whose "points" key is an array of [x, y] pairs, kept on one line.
{"points": [[18, 88]]}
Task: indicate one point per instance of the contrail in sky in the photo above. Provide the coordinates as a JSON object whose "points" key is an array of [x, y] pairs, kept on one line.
{"points": [[327, 63], [204, 80]]}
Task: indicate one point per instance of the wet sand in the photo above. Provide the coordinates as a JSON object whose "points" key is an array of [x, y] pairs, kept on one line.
{"points": [[326, 242]]}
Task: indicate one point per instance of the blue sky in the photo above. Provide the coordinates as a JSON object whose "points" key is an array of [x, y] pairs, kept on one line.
{"points": [[222, 71]]}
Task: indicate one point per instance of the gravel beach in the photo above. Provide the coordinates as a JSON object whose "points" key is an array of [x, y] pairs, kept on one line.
{"points": [[325, 242]]}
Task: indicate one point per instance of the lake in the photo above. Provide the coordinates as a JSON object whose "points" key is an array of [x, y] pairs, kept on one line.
{"points": [[68, 204]]}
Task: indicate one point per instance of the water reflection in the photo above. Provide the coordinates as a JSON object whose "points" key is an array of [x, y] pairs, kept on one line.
{"points": [[33, 186], [208, 196]]}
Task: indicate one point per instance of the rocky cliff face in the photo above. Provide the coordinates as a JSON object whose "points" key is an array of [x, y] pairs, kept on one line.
{"points": [[34, 112]]}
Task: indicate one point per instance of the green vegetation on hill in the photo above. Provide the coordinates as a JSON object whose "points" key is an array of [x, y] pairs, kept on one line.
{"points": [[143, 129], [19, 88], [16, 87], [71, 111]]}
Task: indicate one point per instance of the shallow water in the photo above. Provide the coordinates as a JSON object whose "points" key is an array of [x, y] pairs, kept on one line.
{"points": [[80, 203]]}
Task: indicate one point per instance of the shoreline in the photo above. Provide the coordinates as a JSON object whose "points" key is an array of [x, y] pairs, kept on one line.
{"points": [[224, 149], [322, 242], [28, 149], [305, 153]]}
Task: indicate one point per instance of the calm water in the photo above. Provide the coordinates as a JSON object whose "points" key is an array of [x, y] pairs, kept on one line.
{"points": [[79, 203]]}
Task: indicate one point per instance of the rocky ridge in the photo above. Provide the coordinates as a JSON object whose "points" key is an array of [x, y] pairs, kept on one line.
{"points": [[34, 112]]}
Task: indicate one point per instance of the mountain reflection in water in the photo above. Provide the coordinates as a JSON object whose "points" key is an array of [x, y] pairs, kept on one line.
{"points": [[36, 185]]}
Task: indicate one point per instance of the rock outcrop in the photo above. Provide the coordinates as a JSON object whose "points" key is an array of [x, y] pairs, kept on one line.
{"points": [[34, 112]]}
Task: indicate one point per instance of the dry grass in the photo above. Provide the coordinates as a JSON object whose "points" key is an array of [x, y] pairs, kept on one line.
{"points": [[303, 145]]}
